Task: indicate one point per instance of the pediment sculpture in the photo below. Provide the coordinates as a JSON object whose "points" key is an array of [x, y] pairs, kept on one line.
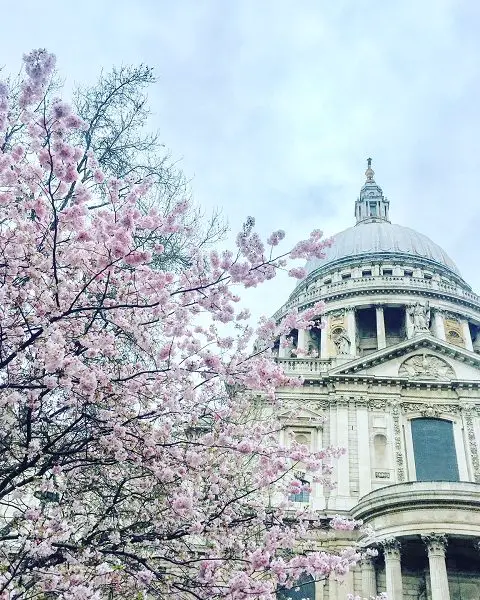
{"points": [[426, 366]]}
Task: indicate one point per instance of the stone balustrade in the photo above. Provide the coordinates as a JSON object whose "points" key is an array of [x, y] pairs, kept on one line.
{"points": [[304, 366], [389, 282]]}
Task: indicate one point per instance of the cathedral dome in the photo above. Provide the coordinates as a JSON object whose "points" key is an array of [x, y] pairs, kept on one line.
{"points": [[375, 238], [379, 240]]}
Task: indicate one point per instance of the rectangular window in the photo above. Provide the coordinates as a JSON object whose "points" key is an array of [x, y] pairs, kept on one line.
{"points": [[327, 281], [408, 273], [387, 272], [434, 450], [367, 273], [427, 276], [373, 209], [346, 275], [303, 496]]}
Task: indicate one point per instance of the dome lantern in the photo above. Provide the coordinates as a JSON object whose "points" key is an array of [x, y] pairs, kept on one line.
{"points": [[371, 205]]}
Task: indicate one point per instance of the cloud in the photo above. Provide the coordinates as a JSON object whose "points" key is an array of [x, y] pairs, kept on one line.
{"points": [[274, 106]]}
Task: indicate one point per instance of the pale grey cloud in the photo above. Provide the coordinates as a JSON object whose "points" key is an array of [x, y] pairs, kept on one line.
{"points": [[275, 105]]}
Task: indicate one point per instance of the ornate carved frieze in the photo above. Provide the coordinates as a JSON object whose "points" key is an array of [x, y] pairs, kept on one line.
{"points": [[430, 410], [436, 543], [321, 404], [377, 404], [468, 412], [426, 366], [397, 434], [361, 402], [342, 401]]}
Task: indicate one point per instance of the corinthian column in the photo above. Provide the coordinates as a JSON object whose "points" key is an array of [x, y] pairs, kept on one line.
{"points": [[437, 545], [393, 569], [302, 342], [369, 584], [381, 339]]}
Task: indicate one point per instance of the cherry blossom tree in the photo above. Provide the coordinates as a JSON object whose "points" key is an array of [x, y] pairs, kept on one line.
{"points": [[139, 452], [115, 111]]}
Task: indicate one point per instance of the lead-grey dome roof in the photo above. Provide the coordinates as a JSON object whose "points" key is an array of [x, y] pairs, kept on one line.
{"points": [[380, 239]]}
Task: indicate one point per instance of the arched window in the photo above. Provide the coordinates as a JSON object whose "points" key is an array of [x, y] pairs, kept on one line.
{"points": [[434, 450], [304, 590]]}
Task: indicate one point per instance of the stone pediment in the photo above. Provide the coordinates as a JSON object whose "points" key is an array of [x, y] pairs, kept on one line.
{"points": [[421, 359], [302, 415]]}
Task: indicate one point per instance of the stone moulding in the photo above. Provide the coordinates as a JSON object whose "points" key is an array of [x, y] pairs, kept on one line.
{"points": [[415, 495]]}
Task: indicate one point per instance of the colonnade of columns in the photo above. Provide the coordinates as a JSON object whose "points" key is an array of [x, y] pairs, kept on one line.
{"points": [[350, 328], [436, 545]]}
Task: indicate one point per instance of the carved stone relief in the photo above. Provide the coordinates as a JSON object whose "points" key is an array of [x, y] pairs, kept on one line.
{"points": [[397, 434], [361, 402], [426, 366], [430, 410], [467, 412], [377, 404], [453, 331]]}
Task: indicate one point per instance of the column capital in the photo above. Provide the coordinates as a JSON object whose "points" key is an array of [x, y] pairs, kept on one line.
{"points": [[391, 548], [367, 561], [393, 568], [436, 543]]}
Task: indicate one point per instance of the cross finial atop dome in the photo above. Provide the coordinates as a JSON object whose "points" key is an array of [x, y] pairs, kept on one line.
{"points": [[372, 204], [369, 173]]}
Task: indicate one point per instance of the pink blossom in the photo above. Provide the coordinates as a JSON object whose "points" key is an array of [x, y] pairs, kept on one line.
{"points": [[344, 523], [298, 273], [32, 514], [276, 237], [145, 576], [245, 447], [182, 504], [98, 176], [61, 110]]}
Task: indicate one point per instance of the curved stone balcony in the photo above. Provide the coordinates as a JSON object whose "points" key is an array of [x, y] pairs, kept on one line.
{"points": [[422, 507]]}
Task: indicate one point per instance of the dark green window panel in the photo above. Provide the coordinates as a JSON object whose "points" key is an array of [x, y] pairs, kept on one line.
{"points": [[305, 590], [434, 450]]}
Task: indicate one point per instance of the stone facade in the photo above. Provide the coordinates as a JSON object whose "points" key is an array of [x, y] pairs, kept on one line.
{"points": [[394, 377]]}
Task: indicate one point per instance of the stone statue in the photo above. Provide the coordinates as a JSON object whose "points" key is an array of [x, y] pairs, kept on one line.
{"points": [[476, 343], [342, 342], [420, 316]]}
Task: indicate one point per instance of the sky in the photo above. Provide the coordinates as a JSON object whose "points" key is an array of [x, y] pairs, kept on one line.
{"points": [[273, 106]]}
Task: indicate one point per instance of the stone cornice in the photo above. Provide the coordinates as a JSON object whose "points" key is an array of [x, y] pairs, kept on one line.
{"points": [[396, 498]]}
